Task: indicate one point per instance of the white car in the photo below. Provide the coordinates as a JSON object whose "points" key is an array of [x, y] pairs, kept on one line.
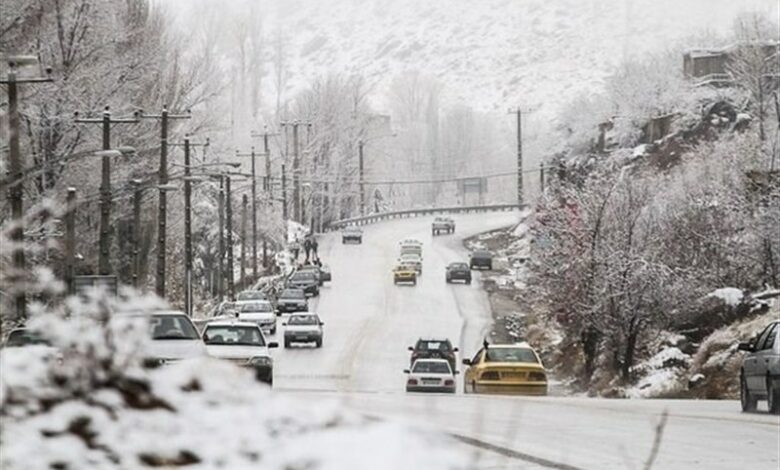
{"points": [[260, 312], [242, 343], [303, 328], [412, 260], [174, 337], [430, 375], [410, 242]]}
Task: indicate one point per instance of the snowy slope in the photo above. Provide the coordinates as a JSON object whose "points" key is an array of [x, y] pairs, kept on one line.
{"points": [[492, 54]]}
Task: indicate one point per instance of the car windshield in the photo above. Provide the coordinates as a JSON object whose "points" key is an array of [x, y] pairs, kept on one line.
{"points": [[481, 253], [172, 327], [292, 294], [511, 355], [431, 367], [303, 320], [251, 295], [255, 307], [233, 336], [427, 345], [25, 338], [459, 266], [303, 276]]}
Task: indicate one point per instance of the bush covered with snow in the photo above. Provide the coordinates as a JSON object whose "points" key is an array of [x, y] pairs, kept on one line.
{"points": [[86, 402]]}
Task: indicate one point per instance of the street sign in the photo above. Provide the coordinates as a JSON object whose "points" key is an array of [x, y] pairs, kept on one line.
{"points": [[83, 284]]}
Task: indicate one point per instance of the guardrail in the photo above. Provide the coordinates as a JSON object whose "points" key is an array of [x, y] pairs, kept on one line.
{"points": [[407, 213]]}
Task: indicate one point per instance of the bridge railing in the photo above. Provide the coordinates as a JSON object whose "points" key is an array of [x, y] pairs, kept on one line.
{"points": [[407, 213]]}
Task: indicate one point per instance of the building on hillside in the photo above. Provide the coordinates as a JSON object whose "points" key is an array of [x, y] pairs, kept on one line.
{"points": [[711, 66]]}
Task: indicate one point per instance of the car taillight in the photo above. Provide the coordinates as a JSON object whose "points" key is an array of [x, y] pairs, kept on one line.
{"points": [[449, 382], [411, 382], [537, 377], [489, 375]]}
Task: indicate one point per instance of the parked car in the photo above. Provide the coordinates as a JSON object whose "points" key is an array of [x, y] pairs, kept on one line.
{"points": [[405, 273], [307, 281], [434, 349], [174, 338], [322, 273], [292, 300], [431, 375], [458, 271], [259, 312], [19, 337], [481, 259], [243, 344], [251, 295], [303, 328], [442, 224], [352, 235], [759, 376], [505, 368]]}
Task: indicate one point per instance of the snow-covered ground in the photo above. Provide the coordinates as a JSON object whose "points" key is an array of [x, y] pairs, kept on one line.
{"points": [[369, 322]]}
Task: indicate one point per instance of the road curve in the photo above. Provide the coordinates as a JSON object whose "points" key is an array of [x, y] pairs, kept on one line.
{"points": [[369, 322]]}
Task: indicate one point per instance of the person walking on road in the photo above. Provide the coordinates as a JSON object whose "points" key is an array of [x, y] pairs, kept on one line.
{"points": [[314, 246], [307, 249]]}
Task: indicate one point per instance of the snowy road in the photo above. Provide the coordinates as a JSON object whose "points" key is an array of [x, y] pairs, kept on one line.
{"points": [[369, 322]]}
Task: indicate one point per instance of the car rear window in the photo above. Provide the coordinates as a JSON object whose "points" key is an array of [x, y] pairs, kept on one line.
{"points": [[431, 367], [303, 320], [255, 307], [172, 327], [426, 345], [251, 295], [511, 355]]}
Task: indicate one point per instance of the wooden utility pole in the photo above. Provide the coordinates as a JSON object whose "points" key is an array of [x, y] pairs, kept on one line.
{"points": [[15, 167], [70, 238], [162, 209], [269, 194], [244, 203], [104, 252]]}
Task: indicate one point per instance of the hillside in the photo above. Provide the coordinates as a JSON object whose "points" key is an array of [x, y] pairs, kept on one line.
{"points": [[492, 54]]}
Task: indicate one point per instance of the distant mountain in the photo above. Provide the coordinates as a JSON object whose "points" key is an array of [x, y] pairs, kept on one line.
{"points": [[491, 54]]}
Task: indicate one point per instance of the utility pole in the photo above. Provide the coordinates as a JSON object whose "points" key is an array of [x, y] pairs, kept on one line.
{"points": [[15, 166], [137, 194], [244, 203], [104, 253], [267, 188], [520, 192], [229, 230], [541, 178], [296, 169], [188, 255], [164, 116], [70, 238], [251, 155], [284, 193], [221, 247], [361, 176]]}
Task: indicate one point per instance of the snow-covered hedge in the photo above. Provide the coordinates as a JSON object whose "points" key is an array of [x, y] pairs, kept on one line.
{"points": [[86, 403]]}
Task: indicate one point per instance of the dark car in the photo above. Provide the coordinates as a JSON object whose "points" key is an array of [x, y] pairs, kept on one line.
{"points": [[307, 281], [352, 235], [759, 377], [25, 337], [322, 272], [458, 272], [433, 349], [481, 259], [292, 300]]}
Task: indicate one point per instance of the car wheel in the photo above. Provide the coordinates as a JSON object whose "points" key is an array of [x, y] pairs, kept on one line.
{"points": [[286, 343], [490, 267], [414, 283], [447, 280], [772, 397], [319, 343], [747, 400], [468, 281]]}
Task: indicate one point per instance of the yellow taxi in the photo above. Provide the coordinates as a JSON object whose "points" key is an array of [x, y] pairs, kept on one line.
{"points": [[505, 368], [405, 273]]}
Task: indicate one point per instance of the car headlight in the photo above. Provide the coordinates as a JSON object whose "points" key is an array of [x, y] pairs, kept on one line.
{"points": [[261, 361]]}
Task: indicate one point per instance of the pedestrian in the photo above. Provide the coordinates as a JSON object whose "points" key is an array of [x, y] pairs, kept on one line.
{"points": [[314, 246], [307, 248], [296, 248]]}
